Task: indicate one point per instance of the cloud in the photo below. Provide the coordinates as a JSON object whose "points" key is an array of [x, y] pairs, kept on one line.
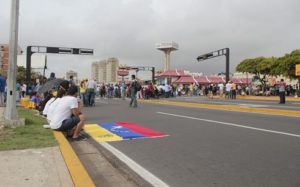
{"points": [[129, 30]]}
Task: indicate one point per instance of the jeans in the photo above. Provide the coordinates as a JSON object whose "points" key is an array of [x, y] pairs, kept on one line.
{"points": [[133, 100], [83, 98], [282, 97], [90, 95]]}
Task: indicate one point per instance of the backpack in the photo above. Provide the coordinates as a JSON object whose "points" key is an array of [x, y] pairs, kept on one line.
{"points": [[138, 86]]}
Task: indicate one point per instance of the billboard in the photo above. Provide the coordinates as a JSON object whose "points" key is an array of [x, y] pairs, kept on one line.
{"points": [[297, 70]]}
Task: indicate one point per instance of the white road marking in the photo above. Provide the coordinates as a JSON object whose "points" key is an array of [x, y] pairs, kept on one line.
{"points": [[253, 105], [232, 124], [149, 177]]}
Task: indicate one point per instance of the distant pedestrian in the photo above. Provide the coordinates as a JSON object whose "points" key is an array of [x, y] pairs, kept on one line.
{"points": [[282, 86], [2, 90], [82, 89], [133, 89], [91, 88], [233, 91], [228, 90], [71, 80], [23, 89], [123, 90], [52, 76]]}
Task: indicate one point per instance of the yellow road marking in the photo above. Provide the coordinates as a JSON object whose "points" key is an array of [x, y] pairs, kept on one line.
{"points": [[268, 98], [228, 107], [100, 134], [78, 173]]}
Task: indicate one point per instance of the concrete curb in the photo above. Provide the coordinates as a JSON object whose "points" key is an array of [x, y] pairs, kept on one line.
{"points": [[78, 173]]}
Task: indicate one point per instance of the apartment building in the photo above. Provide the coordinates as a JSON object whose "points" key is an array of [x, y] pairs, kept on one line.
{"points": [[4, 54], [105, 71]]}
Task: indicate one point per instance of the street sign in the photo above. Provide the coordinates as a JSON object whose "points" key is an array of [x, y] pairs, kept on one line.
{"points": [[297, 70]]}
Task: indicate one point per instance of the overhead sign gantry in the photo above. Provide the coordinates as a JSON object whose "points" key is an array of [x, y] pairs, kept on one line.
{"points": [[57, 50]]}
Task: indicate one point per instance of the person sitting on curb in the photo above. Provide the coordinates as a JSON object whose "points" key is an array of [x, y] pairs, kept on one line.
{"points": [[67, 116], [35, 98], [52, 103]]}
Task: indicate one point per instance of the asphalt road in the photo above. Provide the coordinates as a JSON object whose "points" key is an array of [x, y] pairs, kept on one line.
{"points": [[209, 147], [290, 105]]}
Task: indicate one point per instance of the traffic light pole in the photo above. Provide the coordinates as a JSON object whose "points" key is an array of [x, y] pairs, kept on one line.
{"points": [[217, 53], [28, 65], [227, 64]]}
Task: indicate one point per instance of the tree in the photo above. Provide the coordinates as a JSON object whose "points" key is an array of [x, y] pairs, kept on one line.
{"points": [[21, 75], [260, 67], [286, 65]]}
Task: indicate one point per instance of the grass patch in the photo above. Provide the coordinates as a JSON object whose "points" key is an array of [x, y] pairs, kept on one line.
{"points": [[32, 135]]}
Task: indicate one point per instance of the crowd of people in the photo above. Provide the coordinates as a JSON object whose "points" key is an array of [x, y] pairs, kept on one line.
{"points": [[89, 90], [229, 90], [62, 105]]}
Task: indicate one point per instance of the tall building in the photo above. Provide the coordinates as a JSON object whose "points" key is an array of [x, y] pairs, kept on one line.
{"points": [[95, 70], [112, 67], [102, 71], [4, 53], [105, 70]]}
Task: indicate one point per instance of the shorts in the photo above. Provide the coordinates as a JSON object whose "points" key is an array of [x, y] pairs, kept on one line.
{"points": [[69, 123]]}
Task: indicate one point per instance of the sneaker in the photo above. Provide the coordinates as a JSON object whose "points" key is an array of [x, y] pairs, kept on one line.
{"points": [[79, 138], [46, 126]]}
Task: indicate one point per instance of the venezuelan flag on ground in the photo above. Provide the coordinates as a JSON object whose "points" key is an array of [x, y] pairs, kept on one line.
{"points": [[108, 131]]}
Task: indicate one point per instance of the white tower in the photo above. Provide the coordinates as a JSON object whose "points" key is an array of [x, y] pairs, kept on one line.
{"points": [[167, 48]]}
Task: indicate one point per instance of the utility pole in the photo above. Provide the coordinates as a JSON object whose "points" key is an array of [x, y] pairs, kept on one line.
{"points": [[11, 109]]}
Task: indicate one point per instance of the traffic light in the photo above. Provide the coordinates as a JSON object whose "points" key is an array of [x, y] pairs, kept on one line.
{"points": [[205, 56], [209, 55]]}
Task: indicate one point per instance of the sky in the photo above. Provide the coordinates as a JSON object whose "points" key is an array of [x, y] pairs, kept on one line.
{"points": [[129, 29]]}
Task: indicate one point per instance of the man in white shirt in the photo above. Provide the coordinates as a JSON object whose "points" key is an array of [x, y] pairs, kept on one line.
{"points": [[228, 90], [221, 89], [67, 116], [90, 91], [167, 90]]}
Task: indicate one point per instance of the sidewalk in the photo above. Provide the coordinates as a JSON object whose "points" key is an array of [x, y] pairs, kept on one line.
{"points": [[60, 166], [34, 168]]}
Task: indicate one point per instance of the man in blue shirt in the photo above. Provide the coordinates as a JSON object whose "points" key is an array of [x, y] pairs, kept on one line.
{"points": [[2, 89]]}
